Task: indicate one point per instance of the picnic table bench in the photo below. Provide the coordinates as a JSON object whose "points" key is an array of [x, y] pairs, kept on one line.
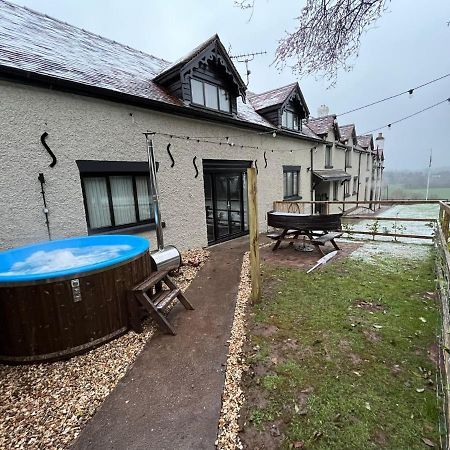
{"points": [[320, 229]]}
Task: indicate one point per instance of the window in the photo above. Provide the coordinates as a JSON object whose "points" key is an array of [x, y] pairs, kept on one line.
{"points": [[291, 182], [355, 185], [347, 188], [328, 157], [336, 190], [368, 162], [290, 120], [348, 158], [210, 95], [116, 201]]}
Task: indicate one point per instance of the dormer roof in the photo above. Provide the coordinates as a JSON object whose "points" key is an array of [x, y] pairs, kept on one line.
{"points": [[365, 141], [322, 125], [348, 134], [211, 49], [277, 98]]}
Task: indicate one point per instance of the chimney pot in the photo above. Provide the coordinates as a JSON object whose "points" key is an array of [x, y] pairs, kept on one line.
{"points": [[323, 110]]}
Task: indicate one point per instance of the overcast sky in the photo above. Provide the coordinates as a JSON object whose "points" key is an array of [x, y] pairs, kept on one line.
{"points": [[410, 45]]}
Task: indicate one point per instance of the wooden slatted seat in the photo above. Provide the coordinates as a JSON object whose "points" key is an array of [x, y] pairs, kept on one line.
{"points": [[322, 240], [153, 297], [276, 235]]}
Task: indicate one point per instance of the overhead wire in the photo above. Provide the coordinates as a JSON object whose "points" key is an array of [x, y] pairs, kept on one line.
{"points": [[388, 125], [408, 91]]}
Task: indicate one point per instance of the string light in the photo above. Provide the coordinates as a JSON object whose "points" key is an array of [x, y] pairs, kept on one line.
{"points": [[207, 141], [389, 125], [408, 91]]}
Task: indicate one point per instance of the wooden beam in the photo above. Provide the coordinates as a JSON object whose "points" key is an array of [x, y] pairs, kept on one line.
{"points": [[364, 202], [415, 236], [398, 219], [443, 276], [255, 268], [444, 213]]}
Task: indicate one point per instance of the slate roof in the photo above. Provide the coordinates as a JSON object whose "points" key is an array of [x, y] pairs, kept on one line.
{"points": [[321, 125], [346, 132], [192, 54], [274, 97], [364, 140], [307, 130], [35, 43]]}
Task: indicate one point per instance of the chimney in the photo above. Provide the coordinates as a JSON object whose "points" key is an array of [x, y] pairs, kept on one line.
{"points": [[323, 110], [379, 142]]}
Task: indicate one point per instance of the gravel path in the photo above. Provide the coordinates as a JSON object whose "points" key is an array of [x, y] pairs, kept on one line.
{"points": [[233, 397], [46, 405]]}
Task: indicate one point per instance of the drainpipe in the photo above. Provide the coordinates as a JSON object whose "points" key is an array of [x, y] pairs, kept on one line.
{"points": [[311, 177], [345, 170], [359, 179]]}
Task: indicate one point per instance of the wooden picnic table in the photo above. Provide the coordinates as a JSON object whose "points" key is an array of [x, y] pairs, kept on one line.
{"points": [[319, 229]]}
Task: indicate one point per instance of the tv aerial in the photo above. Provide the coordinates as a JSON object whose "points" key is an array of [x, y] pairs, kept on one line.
{"points": [[246, 58]]}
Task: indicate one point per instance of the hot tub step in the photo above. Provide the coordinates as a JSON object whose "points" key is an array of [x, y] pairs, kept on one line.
{"points": [[151, 281], [150, 295], [166, 300]]}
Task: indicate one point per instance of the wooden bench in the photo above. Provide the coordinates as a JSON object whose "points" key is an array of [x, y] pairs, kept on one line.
{"points": [[285, 235], [322, 240], [151, 297]]}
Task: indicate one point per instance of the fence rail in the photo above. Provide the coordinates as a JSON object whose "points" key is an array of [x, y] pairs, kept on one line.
{"points": [[443, 282], [303, 206]]}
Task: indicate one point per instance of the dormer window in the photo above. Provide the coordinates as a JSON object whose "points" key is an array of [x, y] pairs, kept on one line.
{"points": [[291, 121], [210, 96]]}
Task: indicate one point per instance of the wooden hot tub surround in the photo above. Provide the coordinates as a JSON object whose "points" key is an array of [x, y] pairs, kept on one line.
{"points": [[53, 319]]}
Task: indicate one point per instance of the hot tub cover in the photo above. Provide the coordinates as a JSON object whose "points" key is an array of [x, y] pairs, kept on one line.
{"points": [[67, 257]]}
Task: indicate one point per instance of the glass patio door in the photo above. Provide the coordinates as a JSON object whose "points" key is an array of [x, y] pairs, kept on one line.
{"points": [[225, 205]]}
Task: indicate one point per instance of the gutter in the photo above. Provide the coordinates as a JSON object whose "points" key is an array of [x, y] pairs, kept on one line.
{"points": [[44, 81]]}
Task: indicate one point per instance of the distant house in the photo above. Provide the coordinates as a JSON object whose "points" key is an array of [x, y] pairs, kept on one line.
{"points": [[374, 165], [88, 100]]}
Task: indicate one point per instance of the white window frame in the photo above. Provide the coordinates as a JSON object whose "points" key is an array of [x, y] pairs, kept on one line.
{"points": [[289, 116], [218, 90]]}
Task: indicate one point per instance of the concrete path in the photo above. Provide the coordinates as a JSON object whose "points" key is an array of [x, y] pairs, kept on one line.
{"points": [[171, 397]]}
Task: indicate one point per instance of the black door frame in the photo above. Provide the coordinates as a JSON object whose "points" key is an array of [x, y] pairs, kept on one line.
{"points": [[211, 168]]}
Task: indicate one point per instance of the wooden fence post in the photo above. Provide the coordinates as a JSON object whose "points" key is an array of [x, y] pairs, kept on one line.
{"points": [[255, 268], [446, 224]]}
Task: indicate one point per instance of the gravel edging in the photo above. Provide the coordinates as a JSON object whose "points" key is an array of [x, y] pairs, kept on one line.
{"points": [[233, 396], [47, 405]]}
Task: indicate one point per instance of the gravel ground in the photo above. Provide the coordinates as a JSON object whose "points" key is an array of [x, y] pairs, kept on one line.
{"points": [[233, 397], [46, 405]]}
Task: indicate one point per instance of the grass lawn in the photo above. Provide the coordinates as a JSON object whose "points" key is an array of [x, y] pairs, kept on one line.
{"points": [[434, 192], [344, 358]]}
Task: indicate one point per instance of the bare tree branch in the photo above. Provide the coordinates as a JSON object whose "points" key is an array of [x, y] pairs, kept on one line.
{"points": [[327, 35]]}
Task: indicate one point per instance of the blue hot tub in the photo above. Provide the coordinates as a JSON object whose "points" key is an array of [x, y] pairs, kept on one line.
{"points": [[63, 297]]}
